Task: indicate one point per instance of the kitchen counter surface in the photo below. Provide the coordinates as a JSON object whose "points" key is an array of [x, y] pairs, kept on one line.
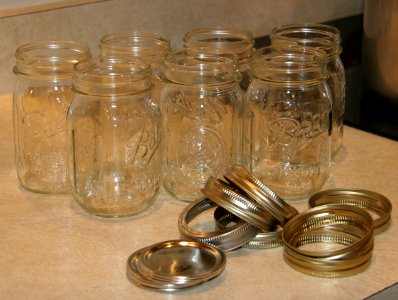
{"points": [[51, 249]]}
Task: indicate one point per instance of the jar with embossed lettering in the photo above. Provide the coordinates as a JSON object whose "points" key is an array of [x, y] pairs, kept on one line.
{"points": [[202, 112], [326, 38], [151, 47], [114, 132], [42, 95], [289, 104]]}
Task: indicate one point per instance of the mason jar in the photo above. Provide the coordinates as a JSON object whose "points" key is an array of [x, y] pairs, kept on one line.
{"points": [[42, 95], [225, 40], [114, 132], [151, 47], [202, 112], [326, 38], [289, 106]]}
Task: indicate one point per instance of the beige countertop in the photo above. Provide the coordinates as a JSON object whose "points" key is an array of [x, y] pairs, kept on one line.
{"points": [[51, 249]]}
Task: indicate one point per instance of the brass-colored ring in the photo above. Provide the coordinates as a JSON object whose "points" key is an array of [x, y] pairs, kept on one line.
{"points": [[369, 200], [226, 239], [243, 207], [349, 226], [326, 274], [258, 191], [263, 240]]}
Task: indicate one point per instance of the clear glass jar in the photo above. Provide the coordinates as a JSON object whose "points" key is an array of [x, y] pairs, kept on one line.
{"points": [[151, 47], [41, 99], [114, 132], [202, 112], [225, 40], [289, 108], [326, 38]]}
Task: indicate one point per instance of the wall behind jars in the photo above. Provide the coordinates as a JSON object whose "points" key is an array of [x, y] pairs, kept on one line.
{"points": [[173, 18]]}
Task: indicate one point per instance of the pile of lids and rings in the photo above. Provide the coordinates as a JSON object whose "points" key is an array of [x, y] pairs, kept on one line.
{"points": [[248, 214], [203, 99]]}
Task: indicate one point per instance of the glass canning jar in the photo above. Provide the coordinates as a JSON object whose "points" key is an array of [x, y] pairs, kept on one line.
{"points": [[326, 38], [225, 40], [41, 99], [202, 112], [151, 47], [289, 110], [114, 132]]}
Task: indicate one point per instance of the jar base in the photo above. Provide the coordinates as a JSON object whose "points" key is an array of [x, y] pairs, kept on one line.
{"points": [[49, 191], [118, 213]]}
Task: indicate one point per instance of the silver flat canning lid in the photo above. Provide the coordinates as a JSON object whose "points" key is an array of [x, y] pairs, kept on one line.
{"points": [[175, 264]]}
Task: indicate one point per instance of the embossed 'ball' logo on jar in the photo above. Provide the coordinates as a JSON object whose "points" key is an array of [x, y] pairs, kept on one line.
{"points": [[284, 130], [200, 154]]}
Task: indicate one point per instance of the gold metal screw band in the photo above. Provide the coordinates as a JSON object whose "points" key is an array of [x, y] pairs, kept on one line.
{"points": [[327, 274], [246, 209], [263, 240], [225, 239], [349, 226], [369, 200], [349, 219], [259, 192]]}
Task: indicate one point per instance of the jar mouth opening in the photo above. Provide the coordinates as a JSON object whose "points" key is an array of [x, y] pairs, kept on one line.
{"points": [[111, 75], [289, 64], [221, 40], [197, 66], [321, 36], [149, 46], [50, 57]]}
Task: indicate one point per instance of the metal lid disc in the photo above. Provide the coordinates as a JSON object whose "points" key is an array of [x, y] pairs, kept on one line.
{"points": [[175, 264]]}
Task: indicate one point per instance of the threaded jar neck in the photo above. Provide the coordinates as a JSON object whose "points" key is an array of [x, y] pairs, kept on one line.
{"points": [[49, 59], [151, 47], [321, 36], [290, 66], [110, 76], [197, 67], [222, 40]]}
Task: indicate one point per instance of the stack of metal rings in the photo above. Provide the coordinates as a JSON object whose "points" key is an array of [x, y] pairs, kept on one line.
{"points": [[241, 199], [349, 226], [337, 218], [174, 265]]}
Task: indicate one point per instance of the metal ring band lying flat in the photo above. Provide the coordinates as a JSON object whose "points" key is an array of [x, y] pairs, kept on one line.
{"points": [[225, 239], [263, 240], [337, 266], [346, 235], [369, 200], [258, 191], [346, 225], [329, 268], [352, 220], [327, 274], [250, 211]]}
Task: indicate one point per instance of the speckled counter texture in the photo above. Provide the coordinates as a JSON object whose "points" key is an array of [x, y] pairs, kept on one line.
{"points": [[51, 249]]}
